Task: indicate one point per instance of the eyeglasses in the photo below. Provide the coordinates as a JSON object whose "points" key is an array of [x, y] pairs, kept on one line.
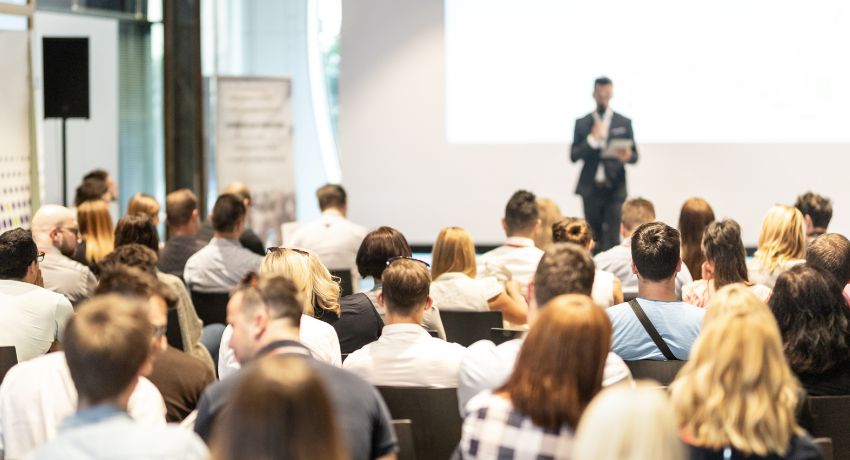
{"points": [[40, 257], [397, 258], [74, 230], [274, 249]]}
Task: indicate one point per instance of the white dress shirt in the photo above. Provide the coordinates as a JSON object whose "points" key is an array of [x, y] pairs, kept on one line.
{"points": [[31, 318], [455, 291], [334, 239], [407, 356], [518, 255], [318, 336], [219, 266], [37, 395], [618, 260]]}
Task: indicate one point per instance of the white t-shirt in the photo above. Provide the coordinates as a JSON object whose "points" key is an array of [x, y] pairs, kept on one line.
{"points": [[518, 255], [455, 291], [603, 288], [334, 239], [31, 318]]}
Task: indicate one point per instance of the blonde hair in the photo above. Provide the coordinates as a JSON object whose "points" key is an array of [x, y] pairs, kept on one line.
{"points": [[453, 252], [782, 237], [572, 230], [142, 203], [737, 389], [96, 229], [315, 283], [549, 214], [636, 422]]}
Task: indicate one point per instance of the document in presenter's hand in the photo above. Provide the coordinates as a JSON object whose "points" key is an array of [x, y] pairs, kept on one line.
{"points": [[614, 145]]}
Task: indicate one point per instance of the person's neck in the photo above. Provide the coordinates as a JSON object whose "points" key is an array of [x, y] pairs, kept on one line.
{"points": [[339, 211], [276, 333], [601, 109], [185, 230], [122, 400], [392, 318], [528, 235], [817, 231], [664, 291], [234, 235]]}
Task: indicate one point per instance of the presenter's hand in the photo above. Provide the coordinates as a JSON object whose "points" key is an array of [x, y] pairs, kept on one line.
{"points": [[598, 131], [624, 154]]}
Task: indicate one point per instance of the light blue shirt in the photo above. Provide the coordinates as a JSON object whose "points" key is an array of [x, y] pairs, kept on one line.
{"points": [[678, 323], [618, 260], [219, 266], [107, 432]]}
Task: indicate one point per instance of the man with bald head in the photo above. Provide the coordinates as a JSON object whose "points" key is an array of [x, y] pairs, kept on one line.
{"points": [[56, 232]]}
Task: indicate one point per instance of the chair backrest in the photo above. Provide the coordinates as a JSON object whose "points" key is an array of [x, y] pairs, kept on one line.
{"points": [[499, 335], [173, 332], [346, 283], [829, 417], [434, 415], [662, 372], [211, 306], [825, 446], [468, 327], [8, 358], [345, 355], [404, 433]]}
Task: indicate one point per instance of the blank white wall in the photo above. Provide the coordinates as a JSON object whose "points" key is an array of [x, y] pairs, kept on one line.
{"points": [[400, 170]]}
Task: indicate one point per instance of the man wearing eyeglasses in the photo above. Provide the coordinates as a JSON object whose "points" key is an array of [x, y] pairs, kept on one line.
{"points": [[56, 232]]}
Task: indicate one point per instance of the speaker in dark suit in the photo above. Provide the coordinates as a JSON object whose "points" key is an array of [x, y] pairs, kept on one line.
{"points": [[602, 181]]}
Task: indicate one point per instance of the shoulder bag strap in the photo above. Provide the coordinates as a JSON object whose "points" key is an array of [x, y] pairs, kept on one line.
{"points": [[650, 329]]}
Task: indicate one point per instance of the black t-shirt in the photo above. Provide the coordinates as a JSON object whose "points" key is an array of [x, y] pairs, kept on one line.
{"points": [[181, 378], [175, 253], [835, 382], [800, 449], [359, 323]]}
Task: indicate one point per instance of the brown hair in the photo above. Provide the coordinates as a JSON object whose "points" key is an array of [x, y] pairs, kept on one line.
{"points": [[831, 252], [179, 206], [280, 409], [131, 281], [131, 255], [106, 342], [565, 268], [331, 196], [560, 365], [281, 297], [549, 213], [96, 229], [406, 285], [453, 252], [636, 212], [137, 228], [722, 246], [694, 217], [572, 230], [142, 203], [377, 247]]}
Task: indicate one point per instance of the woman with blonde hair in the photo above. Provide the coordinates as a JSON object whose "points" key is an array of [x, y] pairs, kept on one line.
{"points": [[636, 423], [455, 288], [607, 288], [736, 397], [142, 203], [96, 231], [782, 244], [694, 217], [549, 213]]}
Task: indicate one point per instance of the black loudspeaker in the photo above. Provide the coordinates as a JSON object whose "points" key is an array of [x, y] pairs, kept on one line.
{"points": [[66, 77]]}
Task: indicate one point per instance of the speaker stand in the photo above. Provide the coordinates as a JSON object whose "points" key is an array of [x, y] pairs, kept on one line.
{"points": [[64, 166]]}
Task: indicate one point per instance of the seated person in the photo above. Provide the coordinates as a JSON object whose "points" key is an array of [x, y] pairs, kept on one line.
{"points": [[817, 211], [831, 252], [656, 260], [455, 288], [31, 318], [607, 289], [55, 231], [181, 214], [782, 244], [248, 238], [405, 354]]}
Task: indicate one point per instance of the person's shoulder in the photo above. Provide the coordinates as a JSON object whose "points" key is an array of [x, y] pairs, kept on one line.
{"points": [[35, 369], [316, 325], [585, 119], [177, 441], [617, 310], [485, 353], [357, 302], [337, 377], [621, 118]]}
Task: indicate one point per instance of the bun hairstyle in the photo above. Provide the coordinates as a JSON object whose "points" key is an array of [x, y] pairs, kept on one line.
{"points": [[572, 230]]}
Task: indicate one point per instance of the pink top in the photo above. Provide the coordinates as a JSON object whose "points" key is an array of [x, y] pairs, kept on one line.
{"points": [[699, 293], [846, 293]]}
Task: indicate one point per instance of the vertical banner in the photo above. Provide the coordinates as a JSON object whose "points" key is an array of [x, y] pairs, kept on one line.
{"points": [[254, 146], [15, 191]]}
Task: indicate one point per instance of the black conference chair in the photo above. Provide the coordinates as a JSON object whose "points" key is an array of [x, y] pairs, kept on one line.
{"points": [[344, 356], [8, 358], [825, 446], [663, 372], [434, 415], [173, 333], [346, 283], [468, 327], [829, 417], [404, 433], [211, 306], [500, 336]]}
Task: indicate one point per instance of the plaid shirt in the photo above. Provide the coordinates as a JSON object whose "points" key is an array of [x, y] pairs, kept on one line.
{"points": [[494, 430]]}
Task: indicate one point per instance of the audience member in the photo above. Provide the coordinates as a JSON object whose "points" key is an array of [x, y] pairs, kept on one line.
{"points": [[518, 256], [104, 177], [725, 263], [564, 269], [831, 252], [618, 259], [247, 238], [333, 238], [142, 203], [655, 260], [815, 324], [694, 217], [782, 244], [558, 371], [183, 219], [219, 265], [817, 210], [265, 321], [736, 396], [55, 231], [607, 289], [280, 409], [549, 214], [405, 354], [96, 185], [378, 247], [31, 318], [455, 287], [629, 423], [96, 231], [108, 349]]}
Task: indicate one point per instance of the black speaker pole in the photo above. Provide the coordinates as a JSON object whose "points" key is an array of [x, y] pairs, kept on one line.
{"points": [[64, 166]]}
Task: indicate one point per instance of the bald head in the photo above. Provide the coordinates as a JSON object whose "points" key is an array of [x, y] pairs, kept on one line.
{"points": [[54, 225], [239, 189]]}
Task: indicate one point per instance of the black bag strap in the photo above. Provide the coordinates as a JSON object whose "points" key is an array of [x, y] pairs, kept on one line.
{"points": [[650, 329]]}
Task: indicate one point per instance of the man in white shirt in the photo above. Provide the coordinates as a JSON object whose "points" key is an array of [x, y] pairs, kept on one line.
{"points": [[565, 268], [31, 318], [618, 260], [333, 238], [405, 354], [518, 255]]}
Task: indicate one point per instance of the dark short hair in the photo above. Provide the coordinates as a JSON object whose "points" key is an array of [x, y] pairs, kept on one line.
{"points": [[377, 247], [655, 250], [282, 298], [818, 207], [331, 196], [132, 282], [227, 212], [96, 174], [602, 81], [17, 252], [90, 189], [406, 284], [179, 206], [137, 228], [522, 211], [831, 252], [131, 255], [565, 268]]}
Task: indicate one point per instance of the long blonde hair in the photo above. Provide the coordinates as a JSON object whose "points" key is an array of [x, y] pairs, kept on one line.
{"points": [[782, 237], [636, 423], [96, 229], [318, 288], [549, 214], [737, 389], [453, 252]]}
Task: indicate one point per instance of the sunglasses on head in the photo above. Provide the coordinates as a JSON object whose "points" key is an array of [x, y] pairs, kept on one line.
{"points": [[275, 249], [397, 258]]}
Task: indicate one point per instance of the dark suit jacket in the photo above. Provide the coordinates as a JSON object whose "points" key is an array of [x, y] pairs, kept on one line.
{"points": [[615, 171]]}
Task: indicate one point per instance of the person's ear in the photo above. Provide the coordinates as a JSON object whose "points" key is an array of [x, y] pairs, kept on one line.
{"points": [[504, 225], [260, 323], [635, 270], [429, 302], [679, 265], [381, 299], [809, 225], [624, 232]]}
